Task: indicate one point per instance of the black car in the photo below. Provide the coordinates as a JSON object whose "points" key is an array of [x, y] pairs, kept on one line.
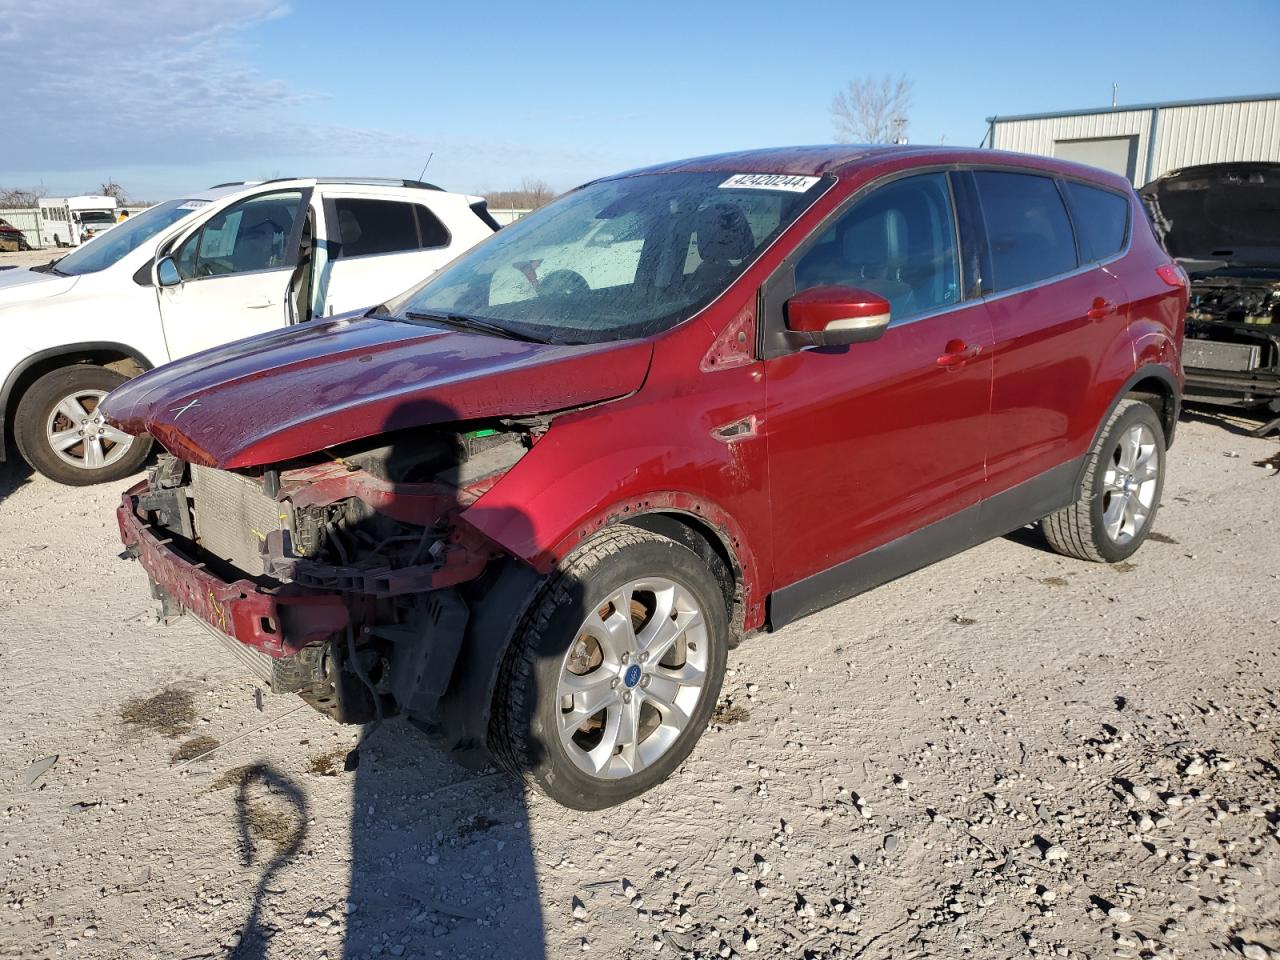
{"points": [[1222, 223]]}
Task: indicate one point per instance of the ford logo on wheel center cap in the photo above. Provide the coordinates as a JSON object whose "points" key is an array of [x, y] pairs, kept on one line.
{"points": [[632, 676]]}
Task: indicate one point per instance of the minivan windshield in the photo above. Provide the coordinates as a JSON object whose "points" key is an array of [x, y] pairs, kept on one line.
{"points": [[615, 259], [105, 250]]}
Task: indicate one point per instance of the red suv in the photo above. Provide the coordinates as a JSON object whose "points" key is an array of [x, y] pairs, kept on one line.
{"points": [[531, 503]]}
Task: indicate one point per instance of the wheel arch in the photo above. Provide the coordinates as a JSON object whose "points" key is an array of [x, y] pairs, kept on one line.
{"points": [[1155, 385], [117, 356], [712, 546]]}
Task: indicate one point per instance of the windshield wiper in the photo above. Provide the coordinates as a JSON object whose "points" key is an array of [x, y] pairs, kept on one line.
{"points": [[50, 268], [462, 321]]}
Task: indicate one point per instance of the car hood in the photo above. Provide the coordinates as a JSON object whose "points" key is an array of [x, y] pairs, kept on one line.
{"points": [[295, 391], [1222, 213], [21, 285]]}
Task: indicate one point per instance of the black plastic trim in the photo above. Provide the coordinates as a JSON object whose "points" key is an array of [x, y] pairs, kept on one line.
{"points": [[1003, 513]]}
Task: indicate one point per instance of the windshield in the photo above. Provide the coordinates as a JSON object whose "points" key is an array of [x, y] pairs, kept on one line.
{"points": [[97, 216], [616, 259], [106, 249]]}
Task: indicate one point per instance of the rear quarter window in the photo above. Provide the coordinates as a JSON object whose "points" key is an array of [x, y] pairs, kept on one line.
{"points": [[1027, 228], [1101, 218]]}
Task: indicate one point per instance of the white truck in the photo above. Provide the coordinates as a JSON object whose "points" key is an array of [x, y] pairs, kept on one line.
{"points": [[193, 273], [71, 221]]}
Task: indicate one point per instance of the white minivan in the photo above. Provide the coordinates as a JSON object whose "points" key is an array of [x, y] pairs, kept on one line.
{"points": [[189, 274]]}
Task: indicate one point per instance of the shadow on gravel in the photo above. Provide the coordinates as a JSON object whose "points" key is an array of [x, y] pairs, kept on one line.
{"points": [[1234, 420], [1030, 536], [14, 474], [272, 829], [441, 857]]}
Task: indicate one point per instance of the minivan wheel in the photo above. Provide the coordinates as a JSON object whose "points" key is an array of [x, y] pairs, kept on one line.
{"points": [[613, 674], [1121, 490], [60, 432]]}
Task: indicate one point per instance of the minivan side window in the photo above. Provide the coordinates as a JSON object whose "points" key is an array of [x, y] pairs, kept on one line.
{"points": [[368, 227], [1027, 228], [899, 242], [1101, 218]]}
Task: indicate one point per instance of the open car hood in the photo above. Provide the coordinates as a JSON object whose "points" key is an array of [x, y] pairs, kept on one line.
{"points": [[1223, 212], [295, 391]]}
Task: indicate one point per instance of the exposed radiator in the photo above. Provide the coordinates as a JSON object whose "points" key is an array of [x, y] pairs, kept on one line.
{"points": [[233, 516], [1212, 355]]}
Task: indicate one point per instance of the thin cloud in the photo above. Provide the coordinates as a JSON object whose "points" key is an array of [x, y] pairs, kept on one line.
{"points": [[166, 85]]}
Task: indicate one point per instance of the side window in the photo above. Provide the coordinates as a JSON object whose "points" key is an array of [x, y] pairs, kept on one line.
{"points": [[1027, 228], [432, 231], [1101, 218], [899, 242], [368, 227], [250, 235]]}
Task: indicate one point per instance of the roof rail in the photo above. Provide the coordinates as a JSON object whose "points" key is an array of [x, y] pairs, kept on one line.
{"points": [[364, 181]]}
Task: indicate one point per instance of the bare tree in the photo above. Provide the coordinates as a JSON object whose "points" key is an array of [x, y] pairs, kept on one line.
{"points": [[113, 189], [21, 196], [539, 191], [872, 110], [532, 194]]}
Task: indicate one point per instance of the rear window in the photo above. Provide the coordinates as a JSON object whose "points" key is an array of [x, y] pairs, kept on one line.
{"points": [[369, 227], [1027, 228], [1101, 218]]}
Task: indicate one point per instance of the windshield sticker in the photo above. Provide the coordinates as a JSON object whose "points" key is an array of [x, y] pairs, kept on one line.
{"points": [[193, 204], [769, 181]]}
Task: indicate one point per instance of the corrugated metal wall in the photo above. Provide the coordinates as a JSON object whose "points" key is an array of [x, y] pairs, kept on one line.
{"points": [[1038, 136], [1185, 135], [1213, 133]]}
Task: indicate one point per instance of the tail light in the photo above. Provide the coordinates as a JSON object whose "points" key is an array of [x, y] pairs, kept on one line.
{"points": [[1173, 275]]}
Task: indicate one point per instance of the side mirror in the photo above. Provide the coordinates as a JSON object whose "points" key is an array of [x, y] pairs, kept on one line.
{"points": [[835, 316], [167, 274]]}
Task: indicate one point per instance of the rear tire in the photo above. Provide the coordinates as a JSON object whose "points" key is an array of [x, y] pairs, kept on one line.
{"points": [[594, 706], [59, 431], [1121, 491]]}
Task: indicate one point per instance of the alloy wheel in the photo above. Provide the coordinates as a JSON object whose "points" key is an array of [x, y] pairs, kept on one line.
{"points": [[632, 678], [78, 434], [1129, 484]]}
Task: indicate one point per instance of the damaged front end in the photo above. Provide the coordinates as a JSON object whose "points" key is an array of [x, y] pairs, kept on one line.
{"points": [[1222, 223], [1232, 348], [340, 576]]}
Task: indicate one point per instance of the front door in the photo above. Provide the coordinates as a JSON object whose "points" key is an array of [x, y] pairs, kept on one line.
{"points": [[870, 442], [237, 273]]}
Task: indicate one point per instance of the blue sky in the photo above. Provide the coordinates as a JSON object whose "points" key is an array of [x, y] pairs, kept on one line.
{"points": [[168, 96]]}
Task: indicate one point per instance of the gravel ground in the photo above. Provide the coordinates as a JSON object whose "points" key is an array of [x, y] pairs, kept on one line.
{"points": [[1008, 754], [27, 258]]}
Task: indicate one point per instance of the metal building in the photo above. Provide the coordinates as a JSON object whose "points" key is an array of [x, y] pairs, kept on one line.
{"points": [[1144, 141]]}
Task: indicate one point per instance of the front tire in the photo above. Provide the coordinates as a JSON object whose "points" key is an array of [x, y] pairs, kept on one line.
{"points": [[1121, 491], [61, 434], [615, 669]]}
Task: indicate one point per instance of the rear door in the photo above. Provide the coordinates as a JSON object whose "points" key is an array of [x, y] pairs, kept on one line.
{"points": [[1055, 316], [237, 270], [376, 248]]}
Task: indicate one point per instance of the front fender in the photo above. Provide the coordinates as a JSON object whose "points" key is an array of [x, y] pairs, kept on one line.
{"points": [[627, 459]]}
